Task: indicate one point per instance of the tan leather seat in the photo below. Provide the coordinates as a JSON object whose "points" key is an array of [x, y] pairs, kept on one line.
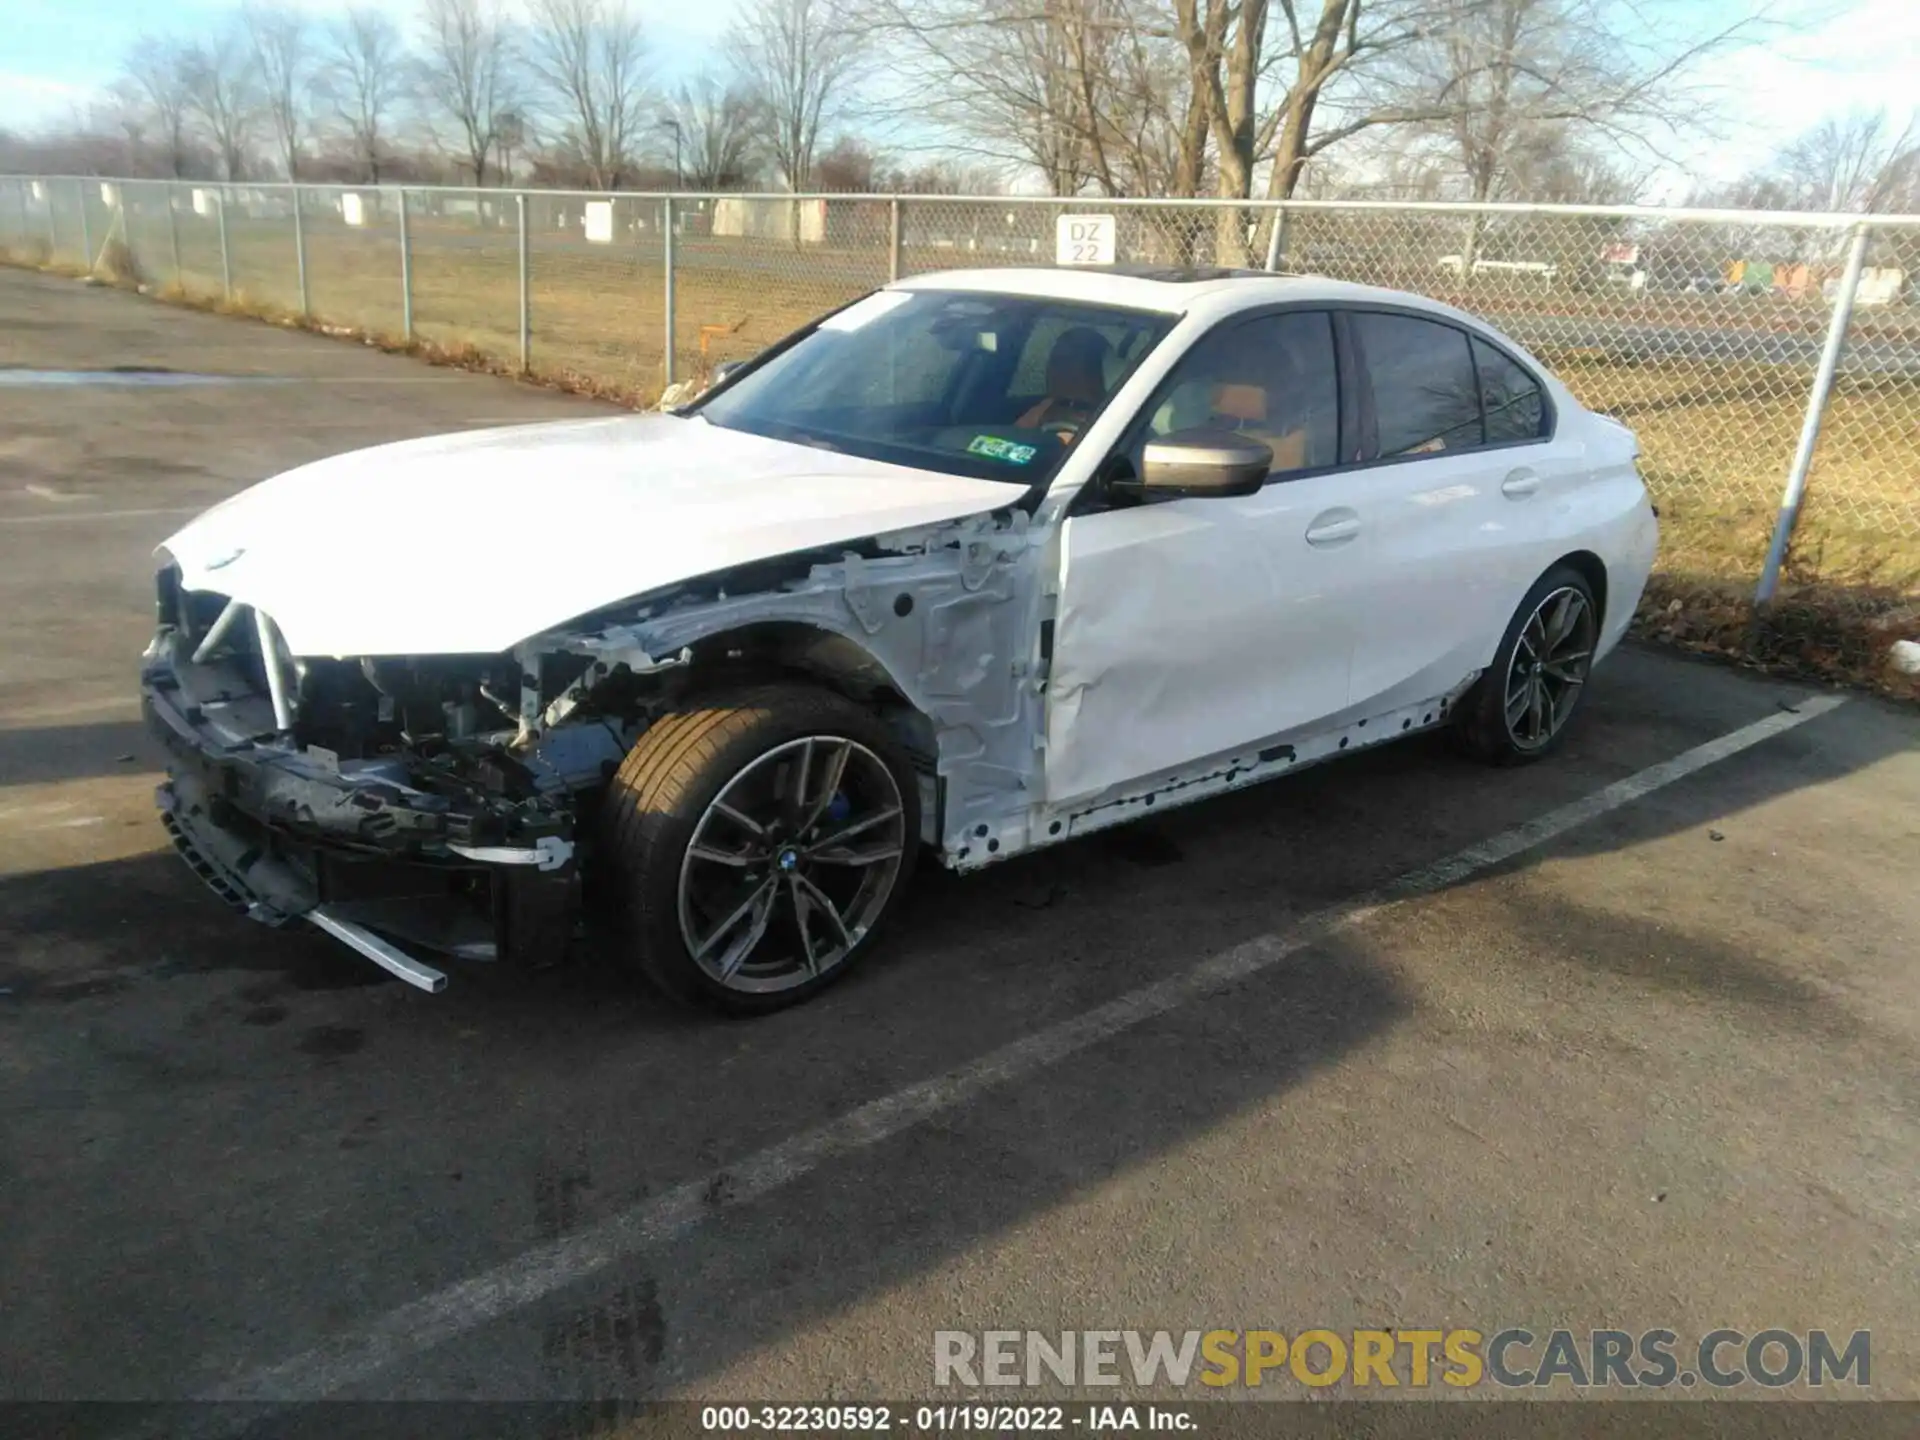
{"points": [[1245, 403], [1076, 380], [1246, 407]]}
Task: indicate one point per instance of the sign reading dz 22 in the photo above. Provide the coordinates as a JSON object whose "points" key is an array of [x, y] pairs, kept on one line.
{"points": [[1084, 240]]}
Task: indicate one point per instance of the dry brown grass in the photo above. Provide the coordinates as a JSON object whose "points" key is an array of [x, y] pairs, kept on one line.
{"points": [[1717, 441], [1810, 630]]}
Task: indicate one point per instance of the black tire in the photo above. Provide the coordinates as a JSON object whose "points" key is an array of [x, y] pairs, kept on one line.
{"points": [[669, 780], [1482, 717]]}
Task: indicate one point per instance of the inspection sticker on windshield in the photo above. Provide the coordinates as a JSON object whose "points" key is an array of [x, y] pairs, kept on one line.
{"points": [[997, 449]]}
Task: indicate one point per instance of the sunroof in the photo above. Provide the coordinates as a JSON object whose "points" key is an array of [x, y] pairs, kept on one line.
{"points": [[1175, 274]]}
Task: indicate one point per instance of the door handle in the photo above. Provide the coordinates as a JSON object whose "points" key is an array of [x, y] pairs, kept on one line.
{"points": [[1520, 484], [1331, 527]]}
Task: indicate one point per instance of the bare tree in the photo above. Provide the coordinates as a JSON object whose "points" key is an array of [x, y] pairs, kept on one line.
{"points": [[367, 79], [588, 58], [1855, 162], [941, 177], [1345, 41], [1091, 93], [1502, 71], [798, 57], [511, 136], [467, 72], [1515, 80], [1554, 167], [284, 61], [155, 86], [848, 166], [223, 94], [1163, 97], [716, 130]]}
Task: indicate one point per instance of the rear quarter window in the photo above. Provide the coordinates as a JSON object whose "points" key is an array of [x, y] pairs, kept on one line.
{"points": [[1515, 408]]}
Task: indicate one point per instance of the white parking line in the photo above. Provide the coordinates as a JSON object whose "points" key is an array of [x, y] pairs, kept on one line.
{"points": [[60, 497], [356, 1355], [100, 515]]}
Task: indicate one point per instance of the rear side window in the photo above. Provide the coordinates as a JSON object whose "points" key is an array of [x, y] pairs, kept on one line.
{"points": [[1426, 399], [1515, 409]]}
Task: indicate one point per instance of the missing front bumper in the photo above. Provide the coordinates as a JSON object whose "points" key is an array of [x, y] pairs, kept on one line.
{"points": [[513, 912], [385, 868], [268, 888]]}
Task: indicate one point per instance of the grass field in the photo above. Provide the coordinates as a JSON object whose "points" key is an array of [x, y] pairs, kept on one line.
{"points": [[1717, 436]]}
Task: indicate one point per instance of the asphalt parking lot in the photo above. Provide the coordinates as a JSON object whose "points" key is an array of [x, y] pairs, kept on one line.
{"points": [[1657, 1070]]}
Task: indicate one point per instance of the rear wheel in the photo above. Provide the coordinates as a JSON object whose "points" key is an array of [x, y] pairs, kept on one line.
{"points": [[756, 843], [1519, 709]]}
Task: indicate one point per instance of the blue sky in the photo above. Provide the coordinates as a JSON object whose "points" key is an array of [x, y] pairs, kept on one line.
{"points": [[54, 54]]}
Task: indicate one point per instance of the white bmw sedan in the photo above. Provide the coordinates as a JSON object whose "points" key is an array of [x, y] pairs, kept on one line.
{"points": [[981, 562]]}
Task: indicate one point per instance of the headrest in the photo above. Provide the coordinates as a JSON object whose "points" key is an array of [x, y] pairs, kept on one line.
{"points": [[1240, 402]]}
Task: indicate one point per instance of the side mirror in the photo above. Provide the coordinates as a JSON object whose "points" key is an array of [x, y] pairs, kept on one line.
{"points": [[725, 371], [1201, 463]]}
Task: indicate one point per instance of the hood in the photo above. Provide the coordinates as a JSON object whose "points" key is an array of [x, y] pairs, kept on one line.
{"points": [[470, 543]]}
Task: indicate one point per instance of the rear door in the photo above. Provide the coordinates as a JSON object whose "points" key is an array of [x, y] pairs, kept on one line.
{"points": [[1464, 478]]}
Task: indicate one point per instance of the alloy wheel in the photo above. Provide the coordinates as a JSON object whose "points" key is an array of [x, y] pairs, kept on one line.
{"points": [[791, 864], [1548, 666]]}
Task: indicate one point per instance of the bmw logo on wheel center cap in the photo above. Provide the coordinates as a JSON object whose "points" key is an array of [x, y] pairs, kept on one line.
{"points": [[788, 858]]}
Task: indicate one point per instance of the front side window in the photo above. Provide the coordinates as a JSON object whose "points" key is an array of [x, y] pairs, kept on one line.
{"points": [[991, 386], [1273, 379], [1426, 399], [1515, 409]]}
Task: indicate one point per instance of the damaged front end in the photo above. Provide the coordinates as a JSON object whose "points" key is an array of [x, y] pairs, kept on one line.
{"points": [[396, 804], [450, 802]]}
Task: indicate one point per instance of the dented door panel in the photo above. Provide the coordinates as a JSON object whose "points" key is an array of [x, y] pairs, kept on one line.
{"points": [[1190, 627]]}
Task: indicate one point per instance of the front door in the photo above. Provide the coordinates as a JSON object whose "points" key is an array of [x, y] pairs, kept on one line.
{"points": [[1192, 627]]}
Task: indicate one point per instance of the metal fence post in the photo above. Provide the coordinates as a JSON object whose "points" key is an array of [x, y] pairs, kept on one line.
{"points": [[86, 231], [1796, 488], [666, 232], [300, 254], [1470, 250], [893, 239], [1277, 236], [406, 275], [226, 256], [526, 314], [173, 234], [53, 228], [119, 221]]}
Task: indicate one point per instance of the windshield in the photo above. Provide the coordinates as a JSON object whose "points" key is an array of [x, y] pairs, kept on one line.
{"points": [[996, 387]]}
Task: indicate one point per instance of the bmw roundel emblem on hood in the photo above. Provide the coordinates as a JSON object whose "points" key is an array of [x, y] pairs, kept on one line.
{"points": [[220, 562]]}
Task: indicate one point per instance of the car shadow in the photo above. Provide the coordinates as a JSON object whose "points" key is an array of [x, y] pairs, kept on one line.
{"points": [[554, 1100], [47, 754]]}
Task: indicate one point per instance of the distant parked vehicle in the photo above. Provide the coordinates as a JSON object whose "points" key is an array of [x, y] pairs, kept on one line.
{"points": [[1532, 269]]}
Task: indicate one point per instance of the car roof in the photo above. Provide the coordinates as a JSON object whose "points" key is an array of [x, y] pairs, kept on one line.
{"points": [[1171, 290]]}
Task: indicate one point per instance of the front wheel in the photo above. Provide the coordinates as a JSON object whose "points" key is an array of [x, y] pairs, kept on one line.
{"points": [[757, 842], [1519, 709]]}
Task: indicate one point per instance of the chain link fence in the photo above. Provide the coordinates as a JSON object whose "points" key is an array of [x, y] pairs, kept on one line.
{"points": [[1770, 363]]}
